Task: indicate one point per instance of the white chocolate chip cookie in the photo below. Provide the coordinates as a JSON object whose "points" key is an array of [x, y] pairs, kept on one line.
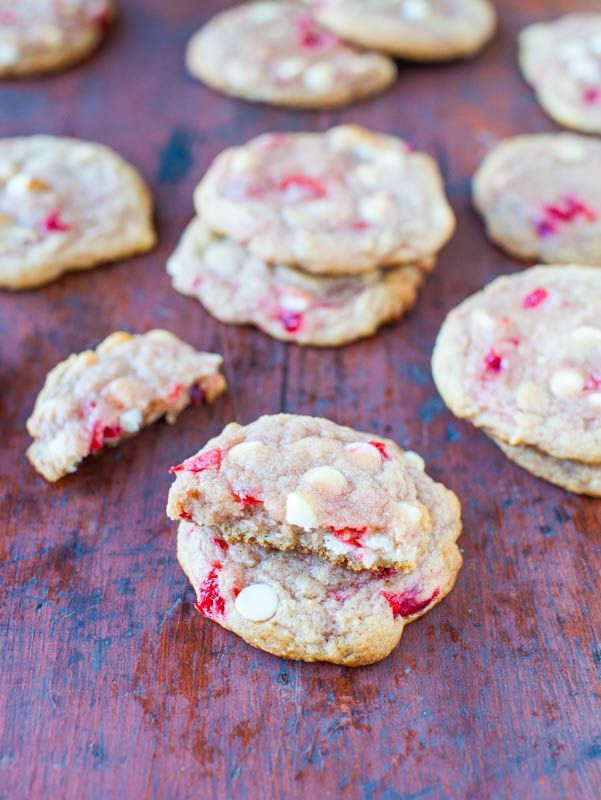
{"points": [[67, 205], [298, 606], [306, 484], [540, 196], [100, 397], [272, 51], [522, 360], [420, 30], [345, 201], [239, 288], [39, 36], [562, 61]]}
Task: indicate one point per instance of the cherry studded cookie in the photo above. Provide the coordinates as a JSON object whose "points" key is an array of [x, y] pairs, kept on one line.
{"points": [[421, 30], [99, 397], [40, 36], [562, 61], [273, 51], [306, 484], [346, 201], [67, 205], [288, 304], [540, 196], [522, 359], [299, 606]]}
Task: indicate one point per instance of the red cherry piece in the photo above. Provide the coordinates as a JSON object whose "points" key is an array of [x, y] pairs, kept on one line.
{"points": [[209, 601], [591, 95], [593, 383], [310, 37], [291, 320], [360, 225], [247, 499], [53, 223], [405, 604], [175, 392], [544, 228], [535, 298], [386, 572], [186, 516], [493, 361], [349, 535], [381, 447], [100, 433], [210, 459], [302, 187], [221, 544]]}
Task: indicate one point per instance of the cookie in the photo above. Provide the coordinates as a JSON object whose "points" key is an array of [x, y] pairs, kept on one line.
{"points": [[522, 359], [575, 476], [420, 30], [39, 36], [273, 52], [239, 288], [301, 607], [540, 196], [306, 484], [561, 60], [67, 205], [345, 201], [100, 397]]}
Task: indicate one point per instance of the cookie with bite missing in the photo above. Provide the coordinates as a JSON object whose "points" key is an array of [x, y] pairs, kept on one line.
{"points": [[341, 202], [239, 288], [561, 60], [522, 360], [99, 397], [418, 30], [301, 607], [306, 484], [273, 51], [67, 205], [540, 196], [38, 36]]}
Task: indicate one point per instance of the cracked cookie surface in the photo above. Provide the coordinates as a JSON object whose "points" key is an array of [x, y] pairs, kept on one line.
{"points": [[99, 397], [67, 205], [345, 201], [274, 52]]}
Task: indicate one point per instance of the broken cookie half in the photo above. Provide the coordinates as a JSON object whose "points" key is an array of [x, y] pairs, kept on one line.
{"points": [[100, 397]]}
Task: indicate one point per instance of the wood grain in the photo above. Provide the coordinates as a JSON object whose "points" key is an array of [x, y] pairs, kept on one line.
{"points": [[112, 686]]}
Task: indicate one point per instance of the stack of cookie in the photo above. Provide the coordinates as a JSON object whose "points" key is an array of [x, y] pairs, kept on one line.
{"points": [[311, 55], [522, 360], [314, 238], [313, 541]]}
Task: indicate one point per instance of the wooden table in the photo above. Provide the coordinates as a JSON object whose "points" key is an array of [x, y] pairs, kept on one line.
{"points": [[111, 684]]}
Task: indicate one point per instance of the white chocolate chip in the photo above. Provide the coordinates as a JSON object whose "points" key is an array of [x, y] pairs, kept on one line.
{"points": [[364, 455], [319, 77], [48, 34], [9, 53], [571, 49], [289, 68], [588, 337], [257, 602], [530, 397], [299, 511], [570, 151], [415, 460], [326, 479], [245, 451], [411, 515], [263, 12], [584, 69], [294, 302], [19, 185], [7, 170], [131, 421], [241, 75], [566, 383], [369, 175], [594, 399], [376, 206], [482, 323], [594, 44], [336, 546], [415, 10]]}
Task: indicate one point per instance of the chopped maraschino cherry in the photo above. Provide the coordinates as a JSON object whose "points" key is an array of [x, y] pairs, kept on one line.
{"points": [[53, 223], [291, 320], [302, 187], [565, 210], [211, 459], [351, 536], [100, 433], [535, 298], [405, 604], [186, 516], [360, 225], [247, 499], [593, 384], [381, 447], [221, 544], [209, 601], [493, 361], [310, 37], [592, 95], [175, 392]]}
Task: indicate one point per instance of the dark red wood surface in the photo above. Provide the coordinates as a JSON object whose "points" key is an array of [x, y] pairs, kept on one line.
{"points": [[111, 685]]}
